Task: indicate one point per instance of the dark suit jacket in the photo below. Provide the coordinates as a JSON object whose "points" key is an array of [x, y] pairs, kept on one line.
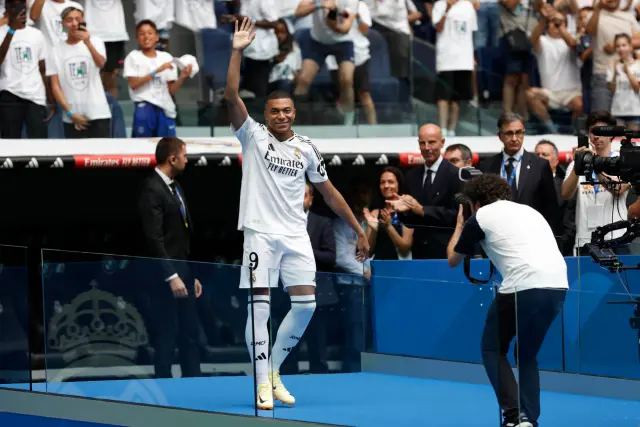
{"points": [[536, 186], [323, 242], [164, 232], [433, 231]]}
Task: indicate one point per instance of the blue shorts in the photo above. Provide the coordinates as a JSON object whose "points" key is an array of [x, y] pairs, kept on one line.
{"points": [[150, 121], [318, 52], [516, 63]]}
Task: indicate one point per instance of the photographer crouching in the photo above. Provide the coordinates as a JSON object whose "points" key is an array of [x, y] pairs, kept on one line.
{"points": [[528, 258]]}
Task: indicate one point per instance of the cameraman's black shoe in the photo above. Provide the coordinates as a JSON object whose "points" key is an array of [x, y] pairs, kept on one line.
{"points": [[517, 421]]}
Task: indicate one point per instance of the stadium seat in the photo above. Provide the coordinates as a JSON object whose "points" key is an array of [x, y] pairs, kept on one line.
{"points": [[490, 71], [118, 128], [216, 46], [384, 87]]}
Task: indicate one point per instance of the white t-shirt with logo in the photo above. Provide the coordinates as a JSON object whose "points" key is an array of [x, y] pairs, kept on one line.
{"points": [[454, 45], [80, 78], [105, 19], [361, 42], [558, 65], [597, 209], [156, 91], [526, 257], [265, 45], [195, 15], [625, 102], [320, 30], [20, 71], [161, 12], [50, 22], [286, 69], [273, 180]]}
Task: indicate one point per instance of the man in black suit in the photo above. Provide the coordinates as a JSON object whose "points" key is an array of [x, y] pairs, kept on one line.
{"points": [[529, 176], [430, 203], [167, 229], [323, 242]]}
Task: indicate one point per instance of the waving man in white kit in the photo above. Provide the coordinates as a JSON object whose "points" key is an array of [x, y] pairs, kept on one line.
{"points": [[275, 161]]}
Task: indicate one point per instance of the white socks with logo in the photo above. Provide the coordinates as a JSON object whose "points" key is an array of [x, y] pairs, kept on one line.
{"points": [[292, 328], [261, 312]]}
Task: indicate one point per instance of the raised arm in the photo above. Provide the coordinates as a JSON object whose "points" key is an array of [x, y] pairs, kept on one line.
{"points": [[242, 38]]}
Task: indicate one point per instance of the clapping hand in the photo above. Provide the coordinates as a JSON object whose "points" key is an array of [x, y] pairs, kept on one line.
{"points": [[244, 35]]}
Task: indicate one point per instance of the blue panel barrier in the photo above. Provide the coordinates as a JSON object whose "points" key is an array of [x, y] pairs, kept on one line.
{"points": [[422, 308]]}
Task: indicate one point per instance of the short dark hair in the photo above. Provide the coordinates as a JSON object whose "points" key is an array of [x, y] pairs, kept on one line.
{"points": [[464, 150], [68, 10], [622, 36], [549, 143], [148, 22], [167, 147], [486, 189], [279, 94], [506, 118], [600, 116]]}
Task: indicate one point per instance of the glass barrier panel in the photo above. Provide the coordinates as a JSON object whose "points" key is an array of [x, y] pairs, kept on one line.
{"points": [[533, 318], [116, 329], [15, 319]]}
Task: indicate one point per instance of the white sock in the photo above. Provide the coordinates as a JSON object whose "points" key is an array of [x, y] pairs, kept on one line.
{"points": [[261, 311], [292, 328]]}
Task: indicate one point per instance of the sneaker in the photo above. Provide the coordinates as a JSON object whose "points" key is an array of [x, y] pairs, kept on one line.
{"points": [[279, 391], [265, 398], [523, 421]]}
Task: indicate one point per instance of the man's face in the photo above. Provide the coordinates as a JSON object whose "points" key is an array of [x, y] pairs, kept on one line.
{"points": [[512, 136], [455, 158], [599, 143], [546, 151], [308, 198], [279, 115], [431, 143], [179, 162]]}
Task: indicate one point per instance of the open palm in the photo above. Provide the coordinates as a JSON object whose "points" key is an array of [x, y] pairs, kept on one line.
{"points": [[244, 35]]}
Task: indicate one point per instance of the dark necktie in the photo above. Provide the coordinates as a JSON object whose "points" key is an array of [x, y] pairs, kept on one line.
{"points": [[426, 187], [509, 170], [183, 208]]}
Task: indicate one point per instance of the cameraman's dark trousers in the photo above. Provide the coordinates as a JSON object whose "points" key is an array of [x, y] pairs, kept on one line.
{"points": [[535, 312]]}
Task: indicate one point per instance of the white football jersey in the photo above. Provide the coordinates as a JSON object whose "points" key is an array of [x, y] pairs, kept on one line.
{"points": [[273, 180]]}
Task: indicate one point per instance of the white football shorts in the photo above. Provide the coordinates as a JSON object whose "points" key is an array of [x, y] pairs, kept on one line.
{"points": [[273, 257]]}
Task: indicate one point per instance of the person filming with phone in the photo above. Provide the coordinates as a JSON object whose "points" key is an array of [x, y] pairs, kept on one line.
{"points": [[74, 67]]}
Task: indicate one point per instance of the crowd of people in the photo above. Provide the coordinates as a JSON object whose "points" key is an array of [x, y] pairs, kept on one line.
{"points": [[583, 52]]}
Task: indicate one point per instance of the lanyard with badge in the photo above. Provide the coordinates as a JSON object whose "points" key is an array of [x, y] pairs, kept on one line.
{"points": [[503, 170], [595, 211]]}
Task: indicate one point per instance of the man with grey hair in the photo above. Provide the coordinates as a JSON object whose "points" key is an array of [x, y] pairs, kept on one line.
{"points": [[529, 176], [459, 155]]}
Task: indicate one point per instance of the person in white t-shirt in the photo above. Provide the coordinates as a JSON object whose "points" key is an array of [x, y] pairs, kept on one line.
{"points": [[361, 80], [288, 62], [105, 19], [23, 83], [259, 56], [623, 77], [46, 15], [74, 67], [330, 35], [596, 205], [275, 164], [530, 297], [455, 22], [153, 80], [195, 15], [162, 12], [558, 67]]}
